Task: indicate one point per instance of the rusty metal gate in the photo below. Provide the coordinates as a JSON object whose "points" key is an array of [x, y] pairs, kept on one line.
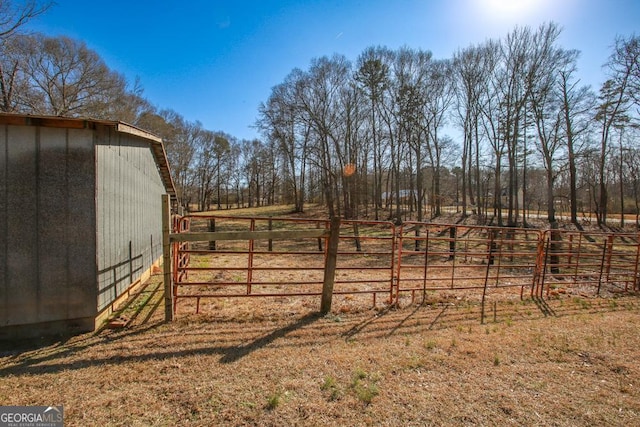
{"points": [[588, 263], [289, 266], [448, 257]]}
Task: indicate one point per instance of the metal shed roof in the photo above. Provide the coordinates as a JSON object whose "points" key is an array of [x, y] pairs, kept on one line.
{"points": [[155, 142]]}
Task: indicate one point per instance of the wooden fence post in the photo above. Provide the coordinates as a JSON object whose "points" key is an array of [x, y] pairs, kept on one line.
{"points": [[330, 266], [212, 228], [452, 243], [166, 259], [554, 258], [320, 249]]}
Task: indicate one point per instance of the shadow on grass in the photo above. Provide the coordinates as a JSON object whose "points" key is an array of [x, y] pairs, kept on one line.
{"points": [[147, 300], [66, 354], [236, 353], [44, 360], [356, 329], [432, 324], [544, 307]]}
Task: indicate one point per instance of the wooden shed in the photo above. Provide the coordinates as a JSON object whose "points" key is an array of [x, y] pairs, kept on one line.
{"points": [[80, 220]]}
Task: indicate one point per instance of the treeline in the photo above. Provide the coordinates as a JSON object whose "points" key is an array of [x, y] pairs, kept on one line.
{"points": [[372, 137], [533, 137], [61, 76]]}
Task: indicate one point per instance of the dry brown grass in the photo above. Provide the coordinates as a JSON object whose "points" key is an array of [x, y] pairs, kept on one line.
{"points": [[276, 362], [568, 361]]}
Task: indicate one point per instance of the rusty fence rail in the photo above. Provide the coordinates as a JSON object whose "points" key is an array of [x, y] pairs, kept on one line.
{"points": [[447, 257], [588, 263], [180, 249], [366, 258], [294, 264], [287, 257]]}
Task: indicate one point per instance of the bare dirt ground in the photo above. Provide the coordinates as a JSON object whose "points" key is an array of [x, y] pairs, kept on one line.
{"points": [[566, 361], [276, 362]]}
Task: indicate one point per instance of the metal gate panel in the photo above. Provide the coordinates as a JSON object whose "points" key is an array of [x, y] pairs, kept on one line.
{"points": [[449, 257], [284, 267], [588, 264]]}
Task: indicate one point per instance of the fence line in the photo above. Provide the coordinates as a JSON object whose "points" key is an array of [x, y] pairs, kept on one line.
{"points": [[277, 257]]}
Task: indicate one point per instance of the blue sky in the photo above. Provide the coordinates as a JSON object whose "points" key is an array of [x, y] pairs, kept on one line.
{"points": [[216, 60]]}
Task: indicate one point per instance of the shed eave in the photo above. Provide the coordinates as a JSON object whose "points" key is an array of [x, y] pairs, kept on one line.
{"points": [[155, 142]]}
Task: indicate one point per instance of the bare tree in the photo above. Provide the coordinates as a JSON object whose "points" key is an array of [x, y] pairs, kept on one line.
{"points": [[613, 108], [577, 104], [14, 14], [180, 139], [625, 61], [204, 167], [373, 77], [407, 123], [401, 114], [232, 175], [319, 121], [253, 164], [470, 67], [352, 147], [440, 95], [13, 81], [319, 102], [546, 105], [514, 89], [491, 104], [67, 78], [280, 120], [612, 111], [632, 163], [130, 105], [221, 149]]}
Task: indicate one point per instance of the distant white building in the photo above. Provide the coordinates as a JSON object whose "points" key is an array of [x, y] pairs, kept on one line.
{"points": [[403, 195]]}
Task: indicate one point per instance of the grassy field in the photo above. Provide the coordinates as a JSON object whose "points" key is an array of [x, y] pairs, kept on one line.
{"points": [[272, 365], [567, 361]]}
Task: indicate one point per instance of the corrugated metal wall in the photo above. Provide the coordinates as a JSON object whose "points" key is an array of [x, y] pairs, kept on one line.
{"points": [[47, 220], [129, 219]]}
